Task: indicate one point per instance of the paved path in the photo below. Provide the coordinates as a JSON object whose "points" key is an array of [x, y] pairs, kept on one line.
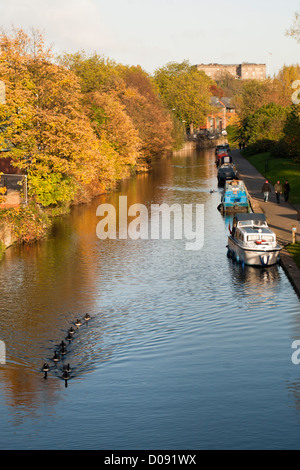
{"points": [[280, 217]]}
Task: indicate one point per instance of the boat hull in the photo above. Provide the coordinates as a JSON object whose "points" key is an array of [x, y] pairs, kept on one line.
{"points": [[253, 257], [235, 207]]}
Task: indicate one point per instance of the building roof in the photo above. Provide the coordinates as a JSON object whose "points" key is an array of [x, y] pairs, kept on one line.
{"points": [[216, 103], [224, 102], [214, 64], [227, 102], [251, 216]]}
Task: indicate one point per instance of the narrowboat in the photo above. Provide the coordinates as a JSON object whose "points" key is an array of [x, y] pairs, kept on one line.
{"points": [[227, 171], [223, 158], [222, 147]]}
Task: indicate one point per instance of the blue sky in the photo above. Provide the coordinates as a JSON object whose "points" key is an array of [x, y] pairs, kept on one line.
{"points": [[152, 33]]}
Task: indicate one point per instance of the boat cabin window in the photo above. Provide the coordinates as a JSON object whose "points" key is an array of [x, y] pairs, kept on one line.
{"points": [[251, 223], [239, 235], [268, 238], [252, 238], [259, 222], [244, 223]]}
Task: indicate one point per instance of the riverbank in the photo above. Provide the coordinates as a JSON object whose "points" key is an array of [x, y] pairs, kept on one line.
{"points": [[280, 217], [28, 223], [24, 224]]}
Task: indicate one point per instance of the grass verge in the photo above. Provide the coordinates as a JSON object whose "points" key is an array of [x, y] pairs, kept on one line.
{"points": [[294, 251], [281, 169]]}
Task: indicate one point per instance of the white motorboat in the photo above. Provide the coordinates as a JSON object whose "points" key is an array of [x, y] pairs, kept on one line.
{"points": [[252, 242]]}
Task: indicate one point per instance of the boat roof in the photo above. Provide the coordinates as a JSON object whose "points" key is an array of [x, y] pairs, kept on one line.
{"points": [[234, 183], [249, 216], [222, 145], [227, 165], [262, 230]]}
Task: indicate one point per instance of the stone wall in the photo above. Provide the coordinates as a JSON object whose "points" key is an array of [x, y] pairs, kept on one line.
{"points": [[253, 71], [215, 71], [7, 236], [243, 71]]}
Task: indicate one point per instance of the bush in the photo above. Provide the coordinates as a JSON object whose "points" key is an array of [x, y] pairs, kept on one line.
{"points": [[2, 249], [280, 150], [261, 146], [233, 136], [50, 189], [29, 222]]}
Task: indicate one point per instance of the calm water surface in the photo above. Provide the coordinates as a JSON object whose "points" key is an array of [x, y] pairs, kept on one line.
{"points": [[185, 350]]}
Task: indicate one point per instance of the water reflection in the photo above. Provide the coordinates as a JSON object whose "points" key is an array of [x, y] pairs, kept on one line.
{"points": [[257, 279], [254, 286], [158, 312]]}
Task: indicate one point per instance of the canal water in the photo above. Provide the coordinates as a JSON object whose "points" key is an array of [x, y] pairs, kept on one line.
{"points": [[184, 350]]}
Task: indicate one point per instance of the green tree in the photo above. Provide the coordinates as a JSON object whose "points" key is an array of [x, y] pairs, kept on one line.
{"points": [[96, 72], [254, 95], [186, 91], [229, 84], [267, 123], [291, 133]]}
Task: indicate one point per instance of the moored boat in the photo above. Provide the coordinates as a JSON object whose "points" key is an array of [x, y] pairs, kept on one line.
{"points": [[222, 147], [222, 158], [234, 197], [227, 171], [252, 242]]}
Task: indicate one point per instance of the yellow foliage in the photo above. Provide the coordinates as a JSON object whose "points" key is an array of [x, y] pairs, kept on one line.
{"points": [[2, 195], [72, 143]]}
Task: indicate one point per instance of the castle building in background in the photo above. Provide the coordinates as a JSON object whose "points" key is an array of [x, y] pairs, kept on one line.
{"points": [[244, 71]]}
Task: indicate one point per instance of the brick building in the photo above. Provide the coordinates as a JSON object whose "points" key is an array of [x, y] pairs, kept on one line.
{"points": [[218, 120], [242, 71]]}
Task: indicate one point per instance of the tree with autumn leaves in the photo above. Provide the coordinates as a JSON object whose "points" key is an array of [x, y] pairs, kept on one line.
{"points": [[265, 113], [108, 87], [42, 123], [79, 124]]}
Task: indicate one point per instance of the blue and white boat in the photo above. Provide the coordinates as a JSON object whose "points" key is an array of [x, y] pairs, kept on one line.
{"points": [[234, 197]]}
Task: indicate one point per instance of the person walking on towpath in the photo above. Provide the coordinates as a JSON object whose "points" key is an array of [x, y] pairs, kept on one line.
{"points": [[286, 190], [266, 189], [278, 191]]}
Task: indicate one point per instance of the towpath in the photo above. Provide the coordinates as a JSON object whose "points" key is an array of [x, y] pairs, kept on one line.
{"points": [[280, 217]]}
